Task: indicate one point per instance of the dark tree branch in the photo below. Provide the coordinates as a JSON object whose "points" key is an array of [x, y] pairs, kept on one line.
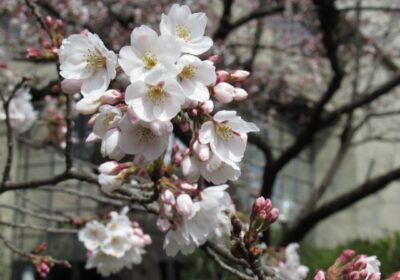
{"points": [[337, 204], [226, 27], [328, 17]]}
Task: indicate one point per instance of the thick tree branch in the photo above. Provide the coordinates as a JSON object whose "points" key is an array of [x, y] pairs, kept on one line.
{"points": [[337, 204]]}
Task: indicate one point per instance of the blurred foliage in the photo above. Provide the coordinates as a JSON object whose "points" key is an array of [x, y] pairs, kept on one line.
{"points": [[387, 249]]}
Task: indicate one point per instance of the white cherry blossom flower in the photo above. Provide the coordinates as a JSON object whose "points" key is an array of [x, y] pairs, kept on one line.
{"points": [[155, 98], [110, 183], [292, 269], [110, 146], [196, 229], [188, 28], [148, 50], [85, 58], [116, 245], [108, 117], [92, 235], [218, 171], [147, 139], [226, 134], [194, 77]]}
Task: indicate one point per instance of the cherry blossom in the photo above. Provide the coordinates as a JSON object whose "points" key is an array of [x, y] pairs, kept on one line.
{"points": [[85, 58], [147, 51], [226, 134], [188, 28]]}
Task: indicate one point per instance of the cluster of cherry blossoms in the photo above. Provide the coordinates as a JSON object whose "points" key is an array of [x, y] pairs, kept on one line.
{"points": [[115, 245], [350, 266], [168, 84]]}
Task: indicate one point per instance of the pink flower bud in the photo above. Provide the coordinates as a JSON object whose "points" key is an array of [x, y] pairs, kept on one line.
{"points": [[202, 151], [273, 215], [207, 106], [168, 197], [222, 75], [223, 92], [346, 256], [239, 94], [109, 167], [33, 53], [193, 112], [60, 25], [163, 224], [87, 106], [111, 96], [262, 214], [320, 275], [355, 275], [214, 58], [239, 75], [259, 204], [49, 22]]}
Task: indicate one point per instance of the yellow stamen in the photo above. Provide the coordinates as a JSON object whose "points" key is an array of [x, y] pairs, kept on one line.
{"points": [[109, 117], [145, 134], [95, 60], [149, 61], [188, 72], [182, 32], [224, 131], [156, 94]]}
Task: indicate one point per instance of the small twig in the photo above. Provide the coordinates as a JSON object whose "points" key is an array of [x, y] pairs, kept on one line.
{"points": [[226, 267], [10, 144], [29, 256], [40, 228], [35, 12], [36, 215]]}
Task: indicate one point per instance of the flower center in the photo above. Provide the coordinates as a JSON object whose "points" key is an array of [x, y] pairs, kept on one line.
{"points": [[109, 117], [188, 72], [94, 233], [182, 32], [149, 61], [156, 94], [145, 134], [224, 131], [95, 60]]}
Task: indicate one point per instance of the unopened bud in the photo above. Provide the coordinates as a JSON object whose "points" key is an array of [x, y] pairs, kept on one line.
{"points": [[207, 106], [273, 215], [214, 58], [355, 275], [49, 22], [239, 75], [222, 76], [320, 275], [223, 92], [33, 53], [109, 167], [168, 197], [346, 256], [239, 94]]}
